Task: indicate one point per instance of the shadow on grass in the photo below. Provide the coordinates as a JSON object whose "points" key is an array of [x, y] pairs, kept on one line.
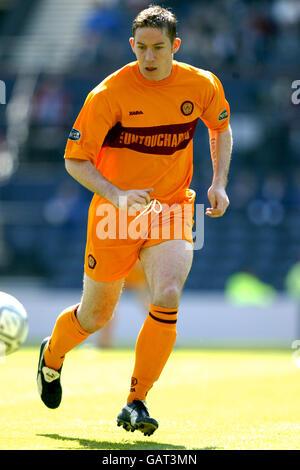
{"points": [[137, 445]]}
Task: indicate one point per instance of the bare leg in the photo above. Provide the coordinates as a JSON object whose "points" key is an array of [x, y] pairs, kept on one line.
{"points": [[98, 303], [166, 267]]}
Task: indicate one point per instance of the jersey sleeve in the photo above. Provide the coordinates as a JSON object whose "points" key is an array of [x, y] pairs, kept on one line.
{"points": [[216, 112], [90, 128]]}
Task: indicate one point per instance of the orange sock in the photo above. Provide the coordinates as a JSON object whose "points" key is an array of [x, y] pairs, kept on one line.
{"points": [[153, 348], [67, 334]]}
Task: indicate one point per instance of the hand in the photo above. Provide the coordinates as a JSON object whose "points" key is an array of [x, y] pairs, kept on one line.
{"points": [[136, 199], [218, 199]]}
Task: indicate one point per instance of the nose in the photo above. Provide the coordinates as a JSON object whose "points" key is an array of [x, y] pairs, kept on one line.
{"points": [[149, 54]]}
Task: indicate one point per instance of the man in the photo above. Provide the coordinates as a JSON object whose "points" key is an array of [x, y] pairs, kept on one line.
{"points": [[132, 141]]}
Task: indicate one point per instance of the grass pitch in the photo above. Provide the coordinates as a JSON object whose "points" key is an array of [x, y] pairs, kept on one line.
{"points": [[205, 399]]}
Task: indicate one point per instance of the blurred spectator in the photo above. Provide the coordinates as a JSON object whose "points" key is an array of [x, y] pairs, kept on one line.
{"points": [[244, 288], [292, 286], [294, 192], [104, 18], [286, 12], [51, 103], [67, 207], [100, 34], [243, 188], [292, 281], [49, 121]]}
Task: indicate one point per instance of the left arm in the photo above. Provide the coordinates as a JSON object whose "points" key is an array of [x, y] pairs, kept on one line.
{"points": [[220, 149]]}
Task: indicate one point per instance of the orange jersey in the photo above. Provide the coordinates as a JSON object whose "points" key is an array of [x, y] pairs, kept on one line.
{"points": [[139, 133]]}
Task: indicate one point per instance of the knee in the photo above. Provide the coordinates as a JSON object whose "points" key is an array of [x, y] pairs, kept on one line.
{"points": [[168, 296], [101, 318], [93, 319]]}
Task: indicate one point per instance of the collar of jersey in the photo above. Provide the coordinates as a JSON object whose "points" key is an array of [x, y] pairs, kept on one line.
{"points": [[154, 83]]}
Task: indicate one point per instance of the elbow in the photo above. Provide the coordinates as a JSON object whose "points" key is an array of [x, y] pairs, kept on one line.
{"points": [[72, 165], [67, 165], [75, 167]]}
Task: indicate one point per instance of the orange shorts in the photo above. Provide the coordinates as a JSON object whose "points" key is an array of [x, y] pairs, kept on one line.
{"points": [[115, 238]]}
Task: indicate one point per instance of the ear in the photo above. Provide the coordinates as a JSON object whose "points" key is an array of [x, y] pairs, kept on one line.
{"points": [[176, 45], [131, 40]]}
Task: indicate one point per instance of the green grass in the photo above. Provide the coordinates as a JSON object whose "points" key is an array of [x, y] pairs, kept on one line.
{"points": [[205, 399]]}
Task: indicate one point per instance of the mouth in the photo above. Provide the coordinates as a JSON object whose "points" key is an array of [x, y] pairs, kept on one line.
{"points": [[150, 69]]}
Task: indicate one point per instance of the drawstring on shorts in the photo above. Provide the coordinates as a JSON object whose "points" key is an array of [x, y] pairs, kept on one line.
{"points": [[151, 207]]}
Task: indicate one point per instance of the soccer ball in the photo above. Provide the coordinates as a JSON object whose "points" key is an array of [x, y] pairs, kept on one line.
{"points": [[13, 324]]}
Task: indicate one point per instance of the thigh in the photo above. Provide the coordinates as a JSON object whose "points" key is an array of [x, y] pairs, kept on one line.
{"points": [[108, 256], [167, 263]]}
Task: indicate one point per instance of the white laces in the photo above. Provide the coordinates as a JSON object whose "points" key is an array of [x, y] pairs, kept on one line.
{"points": [[151, 207]]}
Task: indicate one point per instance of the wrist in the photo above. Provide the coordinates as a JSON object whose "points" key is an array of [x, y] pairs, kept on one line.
{"points": [[219, 182], [112, 193]]}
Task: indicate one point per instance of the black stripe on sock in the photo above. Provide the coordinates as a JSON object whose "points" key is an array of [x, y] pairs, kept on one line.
{"points": [[160, 320], [166, 313], [78, 331]]}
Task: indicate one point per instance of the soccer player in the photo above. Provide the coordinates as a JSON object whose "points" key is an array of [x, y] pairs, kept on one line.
{"points": [[132, 142]]}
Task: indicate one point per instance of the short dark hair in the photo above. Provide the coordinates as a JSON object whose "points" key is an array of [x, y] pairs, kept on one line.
{"points": [[158, 17]]}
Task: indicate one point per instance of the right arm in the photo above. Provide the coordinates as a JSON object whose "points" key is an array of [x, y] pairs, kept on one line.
{"points": [[88, 176], [93, 123]]}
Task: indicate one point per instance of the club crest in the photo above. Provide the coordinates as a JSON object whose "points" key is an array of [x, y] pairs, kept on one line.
{"points": [[91, 262], [187, 108]]}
